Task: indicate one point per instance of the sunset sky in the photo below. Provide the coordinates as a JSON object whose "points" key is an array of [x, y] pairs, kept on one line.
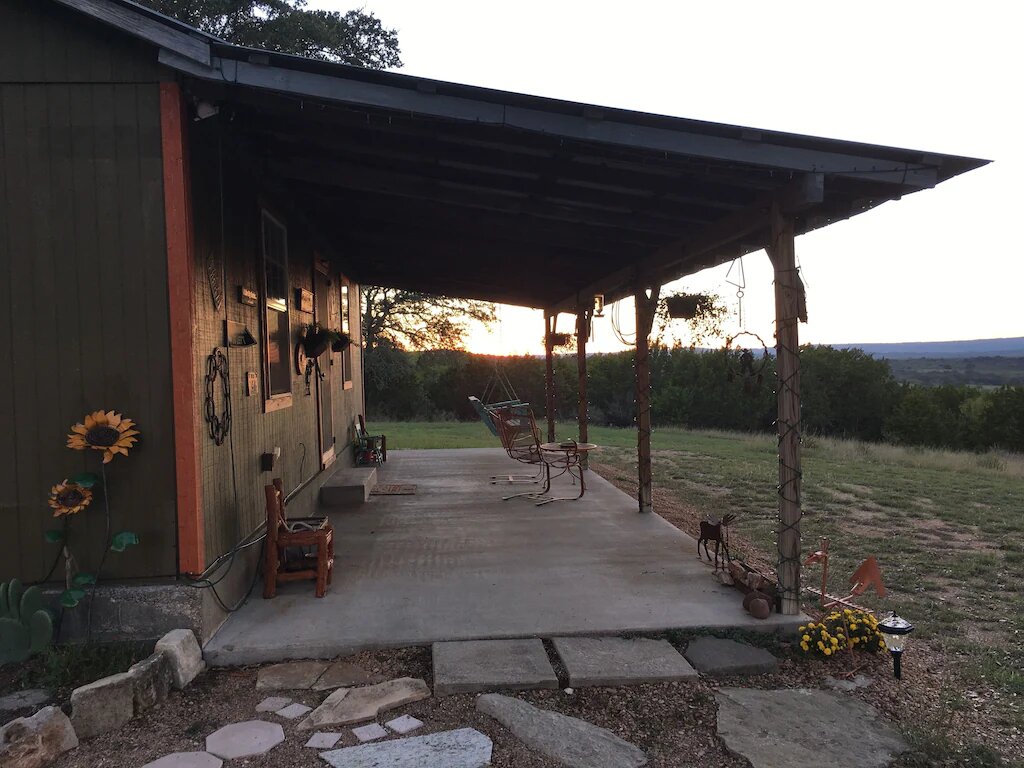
{"points": [[937, 76]]}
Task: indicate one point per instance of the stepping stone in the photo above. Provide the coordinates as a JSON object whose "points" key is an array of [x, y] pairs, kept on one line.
{"points": [[292, 675], [794, 728], [464, 748], [22, 703], [254, 737], [273, 703], [620, 661], [293, 711], [341, 674], [370, 732], [840, 684], [404, 724], [715, 656], [572, 742], [322, 740], [351, 705], [483, 665], [186, 760]]}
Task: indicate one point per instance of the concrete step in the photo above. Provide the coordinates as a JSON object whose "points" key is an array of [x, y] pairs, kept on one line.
{"points": [[348, 486]]}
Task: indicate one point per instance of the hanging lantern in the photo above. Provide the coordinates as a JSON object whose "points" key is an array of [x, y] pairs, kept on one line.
{"points": [[598, 305]]}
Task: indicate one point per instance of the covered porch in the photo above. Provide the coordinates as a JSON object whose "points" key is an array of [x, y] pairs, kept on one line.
{"points": [[455, 562]]}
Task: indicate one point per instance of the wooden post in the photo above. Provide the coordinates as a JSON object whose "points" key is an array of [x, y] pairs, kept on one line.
{"points": [[582, 332], [788, 302], [178, 229], [549, 373], [646, 307]]}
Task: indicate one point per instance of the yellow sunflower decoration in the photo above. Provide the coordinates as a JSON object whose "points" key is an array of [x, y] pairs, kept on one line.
{"points": [[69, 498], [103, 431]]}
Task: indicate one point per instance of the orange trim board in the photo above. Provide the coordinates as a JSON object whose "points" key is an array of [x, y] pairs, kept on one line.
{"points": [[177, 219]]}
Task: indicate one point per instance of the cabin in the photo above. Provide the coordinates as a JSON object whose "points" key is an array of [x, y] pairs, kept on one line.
{"points": [[177, 213]]}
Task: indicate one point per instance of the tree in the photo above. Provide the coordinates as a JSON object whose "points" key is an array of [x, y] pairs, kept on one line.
{"points": [[287, 26], [415, 320]]}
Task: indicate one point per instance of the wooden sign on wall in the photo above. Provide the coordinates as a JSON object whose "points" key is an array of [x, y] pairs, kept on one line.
{"points": [[304, 300]]}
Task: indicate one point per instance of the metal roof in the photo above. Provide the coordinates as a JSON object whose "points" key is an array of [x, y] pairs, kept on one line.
{"points": [[474, 192]]}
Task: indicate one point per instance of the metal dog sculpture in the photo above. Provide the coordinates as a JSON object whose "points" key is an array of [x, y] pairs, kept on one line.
{"points": [[718, 532]]}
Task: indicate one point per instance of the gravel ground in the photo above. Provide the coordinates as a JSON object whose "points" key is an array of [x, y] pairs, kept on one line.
{"points": [[673, 723]]}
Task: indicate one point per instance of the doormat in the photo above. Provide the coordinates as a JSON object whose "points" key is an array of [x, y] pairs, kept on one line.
{"points": [[393, 490]]}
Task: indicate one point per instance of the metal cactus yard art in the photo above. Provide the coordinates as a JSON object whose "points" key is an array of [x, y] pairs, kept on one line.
{"points": [[26, 627]]}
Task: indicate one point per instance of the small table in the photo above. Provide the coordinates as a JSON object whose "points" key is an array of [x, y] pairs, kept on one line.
{"points": [[566, 457]]}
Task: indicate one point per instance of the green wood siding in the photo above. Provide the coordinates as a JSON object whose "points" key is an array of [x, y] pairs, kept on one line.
{"points": [[227, 199], [84, 321]]}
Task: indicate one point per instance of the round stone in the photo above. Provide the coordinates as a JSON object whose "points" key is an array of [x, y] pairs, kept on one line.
{"points": [[253, 737]]}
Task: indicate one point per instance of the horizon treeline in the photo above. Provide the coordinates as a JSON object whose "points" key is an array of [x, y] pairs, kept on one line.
{"points": [[845, 393]]}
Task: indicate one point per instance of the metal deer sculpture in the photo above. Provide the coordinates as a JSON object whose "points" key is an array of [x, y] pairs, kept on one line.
{"points": [[868, 575], [718, 532]]}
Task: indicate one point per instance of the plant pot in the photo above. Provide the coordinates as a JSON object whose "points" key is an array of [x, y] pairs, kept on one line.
{"points": [[340, 345], [682, 307], [315, 344], [561, 339]]}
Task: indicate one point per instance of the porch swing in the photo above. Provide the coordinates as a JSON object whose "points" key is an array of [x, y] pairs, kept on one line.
{"points": [[497, 386]]}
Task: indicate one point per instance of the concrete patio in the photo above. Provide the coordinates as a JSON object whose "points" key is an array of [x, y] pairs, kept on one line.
{"points": [[455, 562]]}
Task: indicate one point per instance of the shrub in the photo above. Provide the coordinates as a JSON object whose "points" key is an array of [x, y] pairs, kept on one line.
{"points": [[851, 629]]}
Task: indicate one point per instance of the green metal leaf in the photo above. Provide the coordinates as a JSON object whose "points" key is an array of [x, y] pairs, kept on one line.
{"points": [[54, 536], [83, 579], [123, 540], [69, 598], [5, 605], [86, 479]]}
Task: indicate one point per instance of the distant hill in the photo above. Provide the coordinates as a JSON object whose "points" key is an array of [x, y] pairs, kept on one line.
{"points": [[942, 349]]}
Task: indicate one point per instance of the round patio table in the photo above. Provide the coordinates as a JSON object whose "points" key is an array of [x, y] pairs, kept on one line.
{"points": [[566, 457]]}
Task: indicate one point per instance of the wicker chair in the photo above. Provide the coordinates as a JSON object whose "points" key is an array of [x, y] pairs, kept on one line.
{"points": [[297, 548]]}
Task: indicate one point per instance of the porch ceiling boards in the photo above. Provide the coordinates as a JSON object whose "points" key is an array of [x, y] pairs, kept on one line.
{"points": [[471, 192]]}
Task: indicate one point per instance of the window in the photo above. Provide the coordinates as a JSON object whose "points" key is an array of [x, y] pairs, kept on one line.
{"points": [[277, 375], [346, 328]]}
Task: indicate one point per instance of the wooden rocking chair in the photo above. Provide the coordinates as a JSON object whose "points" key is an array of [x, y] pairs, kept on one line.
{"points": [[311, 537]]}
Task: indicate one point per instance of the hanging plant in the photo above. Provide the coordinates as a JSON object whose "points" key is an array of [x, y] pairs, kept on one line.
{"points": [[686, 306], [561, 339], [316, 340], [341, 341], [104, 431]]}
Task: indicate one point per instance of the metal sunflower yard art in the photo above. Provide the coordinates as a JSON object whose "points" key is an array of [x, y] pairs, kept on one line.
{"points": [[110, 433], [105, 431], [69, 498]]}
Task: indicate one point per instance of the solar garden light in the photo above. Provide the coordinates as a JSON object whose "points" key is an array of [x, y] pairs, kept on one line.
{"points": [[894, 631]]}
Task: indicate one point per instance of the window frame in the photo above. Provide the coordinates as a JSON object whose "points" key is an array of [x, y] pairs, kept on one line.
{"points": [[274, 401], [345, 310]]}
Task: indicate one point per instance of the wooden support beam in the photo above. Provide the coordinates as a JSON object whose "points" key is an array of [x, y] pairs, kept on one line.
{"points": [[582, 332], [788, 308], [178, 229], [691, 254], [549, 372], [646, 306]]}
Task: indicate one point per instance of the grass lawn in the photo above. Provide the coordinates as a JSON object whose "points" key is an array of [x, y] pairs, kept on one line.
{"points": [[947, 528]]}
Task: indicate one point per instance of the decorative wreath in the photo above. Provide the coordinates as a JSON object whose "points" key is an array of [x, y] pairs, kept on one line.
{"points": [[745, 366]]}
